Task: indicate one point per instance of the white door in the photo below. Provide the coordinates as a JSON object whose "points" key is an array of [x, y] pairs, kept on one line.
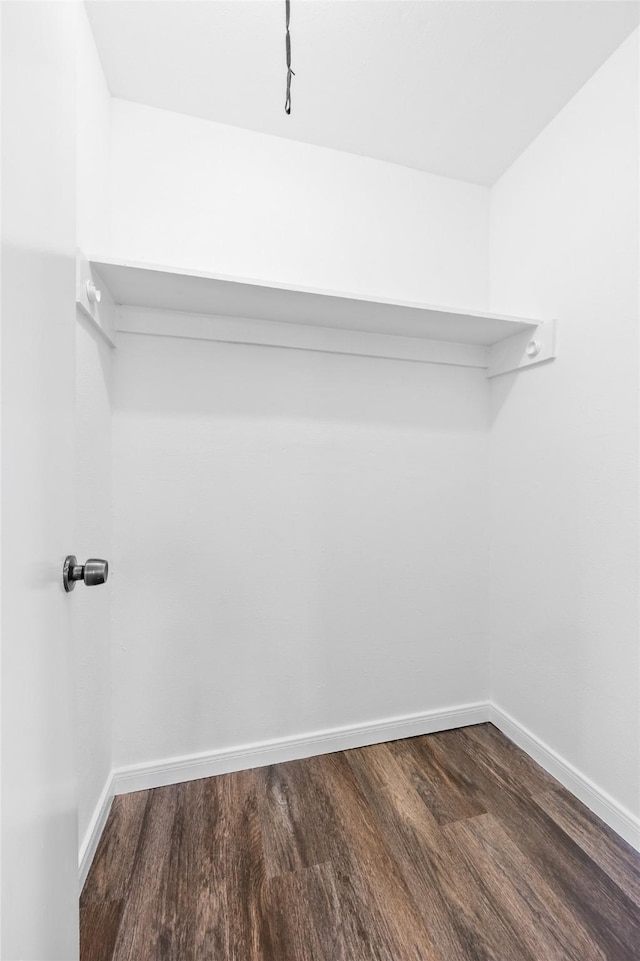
{"points": [[39, 916]]}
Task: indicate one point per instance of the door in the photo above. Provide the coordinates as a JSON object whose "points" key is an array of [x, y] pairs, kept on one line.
{"points": [[39, 891]]}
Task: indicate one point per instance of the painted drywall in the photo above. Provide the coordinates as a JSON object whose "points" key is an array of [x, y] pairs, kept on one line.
{"points": [[93, 143], [91, 609], [293, 531], [202, 195], [564, 437], [301, 542]]}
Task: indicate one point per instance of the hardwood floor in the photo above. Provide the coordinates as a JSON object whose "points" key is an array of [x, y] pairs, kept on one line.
{"points": [[449, 847]]}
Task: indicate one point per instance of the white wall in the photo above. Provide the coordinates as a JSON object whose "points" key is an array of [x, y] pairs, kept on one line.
{"points": [[92, 608], [293, 531], [93, 105], [301, 542], [92, 494], [205, 195], [564, 439]]}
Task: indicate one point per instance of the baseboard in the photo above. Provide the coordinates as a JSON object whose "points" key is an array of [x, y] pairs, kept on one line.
{"points": [[93, 833], [622, 821], [141, 777]]}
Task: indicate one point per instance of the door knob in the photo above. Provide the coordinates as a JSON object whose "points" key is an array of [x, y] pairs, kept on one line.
{"points": [[93, 572]]}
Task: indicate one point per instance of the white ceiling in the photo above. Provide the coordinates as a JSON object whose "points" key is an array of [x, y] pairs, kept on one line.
{"points": [[456, 88]]}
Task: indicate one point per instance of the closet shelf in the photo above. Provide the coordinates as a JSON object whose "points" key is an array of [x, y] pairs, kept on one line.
{"points": [[185, 303]]}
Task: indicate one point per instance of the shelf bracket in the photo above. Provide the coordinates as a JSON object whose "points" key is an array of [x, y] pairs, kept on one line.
{"points": [[526, 349], [94, 300]]}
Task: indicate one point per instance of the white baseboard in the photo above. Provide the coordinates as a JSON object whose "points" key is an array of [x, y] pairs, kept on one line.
{"points": [[140, 777], [92, 836], [623, 822]]}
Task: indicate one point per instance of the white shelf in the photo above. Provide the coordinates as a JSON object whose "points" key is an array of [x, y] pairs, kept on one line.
{"points": [[178, 302]]}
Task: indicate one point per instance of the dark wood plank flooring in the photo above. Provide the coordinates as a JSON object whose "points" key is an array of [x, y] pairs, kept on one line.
{"points": [[449, 847]]}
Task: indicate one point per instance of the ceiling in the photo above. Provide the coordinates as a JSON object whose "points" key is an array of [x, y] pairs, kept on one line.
{"points": [[456, 88]]}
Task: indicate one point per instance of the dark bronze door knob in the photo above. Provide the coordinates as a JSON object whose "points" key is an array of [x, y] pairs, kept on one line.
{"points": [[94, 572]]}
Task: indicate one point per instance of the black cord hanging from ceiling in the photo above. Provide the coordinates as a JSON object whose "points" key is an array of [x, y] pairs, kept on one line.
{"points": [[290, 73]]}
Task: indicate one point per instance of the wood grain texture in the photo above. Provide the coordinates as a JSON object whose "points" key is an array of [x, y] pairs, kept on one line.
{"points": [[493, 875], [114, 859], [99, 925], [607, 849], [449, 847], [447, 793], [296, 817]]}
